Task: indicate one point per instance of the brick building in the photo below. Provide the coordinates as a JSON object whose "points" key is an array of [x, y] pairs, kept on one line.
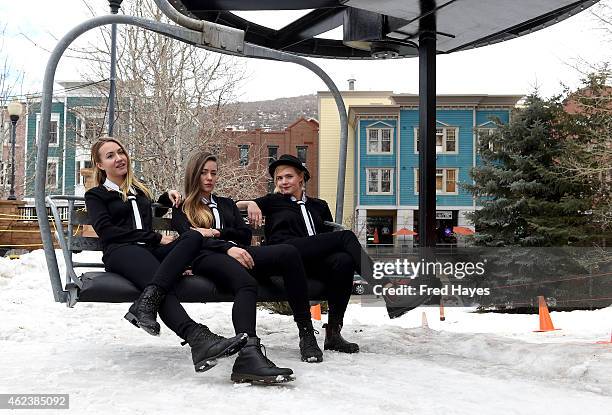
{"points": [[300, 139]]}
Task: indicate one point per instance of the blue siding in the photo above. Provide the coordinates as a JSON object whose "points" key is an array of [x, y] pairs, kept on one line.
{"points": [[54, 151], [65, 152], [377, 160], [461, 118], [482, 116]]}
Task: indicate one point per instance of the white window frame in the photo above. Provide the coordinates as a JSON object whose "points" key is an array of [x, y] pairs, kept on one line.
{"points": [[379, 140], [444, 180], [55, 116], [55, 160], [248, 151], [380, 169], [445, 130], [489, 132]]}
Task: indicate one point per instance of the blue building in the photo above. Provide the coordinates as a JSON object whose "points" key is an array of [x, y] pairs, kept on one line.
{"points": [[77, 119], [386, 174]]}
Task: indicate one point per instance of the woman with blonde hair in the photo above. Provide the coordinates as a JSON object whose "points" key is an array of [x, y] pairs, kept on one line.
{"points": [[119, 208], [236, 266]]}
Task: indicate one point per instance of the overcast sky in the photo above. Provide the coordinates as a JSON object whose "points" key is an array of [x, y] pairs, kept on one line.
{"points": [[544, 59]]}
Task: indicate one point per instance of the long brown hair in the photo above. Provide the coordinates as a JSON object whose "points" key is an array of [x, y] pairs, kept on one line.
{"points": [[100, 175], [197, 212]]}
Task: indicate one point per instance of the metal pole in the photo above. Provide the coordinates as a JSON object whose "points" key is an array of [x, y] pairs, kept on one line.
{"points": [[45, 120], [114, 9], [14, 119], [427, 128]]}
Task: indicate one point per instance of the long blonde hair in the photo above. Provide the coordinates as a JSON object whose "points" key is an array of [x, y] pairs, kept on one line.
{"points": [[198, 214], [298, 172], [100, 175]]}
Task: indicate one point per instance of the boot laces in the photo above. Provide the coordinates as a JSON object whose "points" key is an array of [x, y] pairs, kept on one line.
{"points": [[264, 354]]}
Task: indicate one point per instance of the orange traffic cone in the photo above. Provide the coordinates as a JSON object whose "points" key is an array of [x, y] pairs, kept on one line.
{"points": [[315, 312], [424, 324], [442, 318], [545, 320], [606, 342]]}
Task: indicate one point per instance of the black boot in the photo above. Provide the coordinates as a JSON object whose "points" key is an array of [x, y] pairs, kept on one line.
{"points": [[143, 313], [309, 349], [252, 365], [335, 341], [207, 347]]}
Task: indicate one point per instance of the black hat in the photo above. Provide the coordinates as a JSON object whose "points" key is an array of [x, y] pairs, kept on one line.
{"points": [[289, 160]]}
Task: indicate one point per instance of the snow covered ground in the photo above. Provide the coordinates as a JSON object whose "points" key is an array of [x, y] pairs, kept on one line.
{"points": [[470, 363]]}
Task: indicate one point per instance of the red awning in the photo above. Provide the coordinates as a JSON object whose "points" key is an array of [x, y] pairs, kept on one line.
{"points": [[404, 232], [462, 230]]}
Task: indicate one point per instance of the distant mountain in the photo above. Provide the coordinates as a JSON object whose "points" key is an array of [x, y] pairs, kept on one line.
{"points": [[276, 114]]}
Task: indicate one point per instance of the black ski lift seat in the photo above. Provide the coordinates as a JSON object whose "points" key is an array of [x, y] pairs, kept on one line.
{"points": [[107, 287]]}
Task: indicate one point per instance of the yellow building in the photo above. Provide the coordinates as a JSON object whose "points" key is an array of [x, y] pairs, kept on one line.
{"points": [[329, 146]]}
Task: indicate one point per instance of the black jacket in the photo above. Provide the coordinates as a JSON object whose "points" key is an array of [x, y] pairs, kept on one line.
{"points": [[113, 220], [284, 219], [234, 233]]}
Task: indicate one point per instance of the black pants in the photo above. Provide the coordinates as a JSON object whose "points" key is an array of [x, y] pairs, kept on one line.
{"points": [[334, 257], [281, 259], [161, 265]]}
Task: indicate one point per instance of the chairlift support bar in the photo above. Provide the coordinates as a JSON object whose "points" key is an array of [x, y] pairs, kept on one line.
{"points": [[209, 36]]}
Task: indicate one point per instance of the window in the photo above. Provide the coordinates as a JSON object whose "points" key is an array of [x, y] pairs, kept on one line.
{"points": [[483, 135], [5, 168], [272, 154], [77, 173], [380, 181], [52, 172], [79, 130], [53, 129], [379, 140], [271, 185], [446, 181], [244, 155], [446, 140], [94, 128], [302, 153]]}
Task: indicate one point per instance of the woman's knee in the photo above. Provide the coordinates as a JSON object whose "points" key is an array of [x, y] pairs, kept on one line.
{"points": [[192, 236], [287, 252], [348, 236], [341, 262]]}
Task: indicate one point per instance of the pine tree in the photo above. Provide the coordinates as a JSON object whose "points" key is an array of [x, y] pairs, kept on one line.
{"points": [[525, 199]]}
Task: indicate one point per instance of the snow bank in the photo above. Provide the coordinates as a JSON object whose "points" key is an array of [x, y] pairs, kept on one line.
{"points": [[491, 363]]}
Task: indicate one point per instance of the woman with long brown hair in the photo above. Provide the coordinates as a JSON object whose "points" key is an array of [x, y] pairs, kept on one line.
{"points": [[238, 266], [119, 208]]}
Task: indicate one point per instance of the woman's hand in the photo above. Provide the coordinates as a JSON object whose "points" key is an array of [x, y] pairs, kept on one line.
{"points": [[242, 256], [166, 239], [208, 232], [175, 197], [255, 216]]}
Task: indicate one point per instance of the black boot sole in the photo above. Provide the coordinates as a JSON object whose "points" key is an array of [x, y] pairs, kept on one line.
{"points": [[152, 330], [210, 362], [262, 380], [312, 359], [337, 349]]}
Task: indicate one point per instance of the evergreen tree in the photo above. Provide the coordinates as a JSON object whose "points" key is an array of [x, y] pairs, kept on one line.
{"points": [[525, 199], [589, 154]]}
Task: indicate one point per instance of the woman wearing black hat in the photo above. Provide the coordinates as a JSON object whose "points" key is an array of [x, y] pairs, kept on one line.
{"points": [[236, 266], [294, 219]]}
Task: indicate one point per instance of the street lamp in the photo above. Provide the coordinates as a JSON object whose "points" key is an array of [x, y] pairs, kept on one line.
{"points": [[14, 109]]}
